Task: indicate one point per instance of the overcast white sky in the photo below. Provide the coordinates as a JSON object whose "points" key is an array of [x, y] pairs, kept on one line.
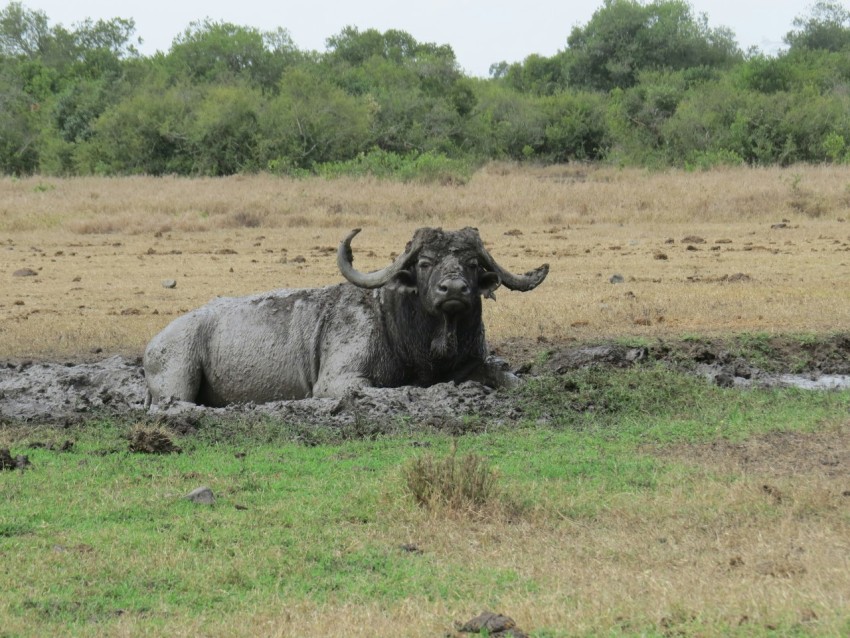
{"points": [[481, 32]]}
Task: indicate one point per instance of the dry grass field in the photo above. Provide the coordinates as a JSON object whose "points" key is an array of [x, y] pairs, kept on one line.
{"points": [[771, 251]]}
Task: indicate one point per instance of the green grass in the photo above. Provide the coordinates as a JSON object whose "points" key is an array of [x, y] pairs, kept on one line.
{"points": [[97, 537]]}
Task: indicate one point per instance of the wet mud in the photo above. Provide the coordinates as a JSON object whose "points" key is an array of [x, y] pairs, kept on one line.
{"points": [[68, 392]]}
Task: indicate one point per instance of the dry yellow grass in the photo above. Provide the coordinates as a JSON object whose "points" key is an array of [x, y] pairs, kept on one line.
{"points": [[101, 248]]}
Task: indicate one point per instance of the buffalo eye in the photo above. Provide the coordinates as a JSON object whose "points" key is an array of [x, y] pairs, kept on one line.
{"points": [[424, 264]]}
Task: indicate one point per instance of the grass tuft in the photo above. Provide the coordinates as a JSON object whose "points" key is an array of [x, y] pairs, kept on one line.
{"points": [[465, 484]]}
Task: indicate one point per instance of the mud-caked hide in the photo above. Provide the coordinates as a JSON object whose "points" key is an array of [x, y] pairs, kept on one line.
{"points": [[417, 321]]}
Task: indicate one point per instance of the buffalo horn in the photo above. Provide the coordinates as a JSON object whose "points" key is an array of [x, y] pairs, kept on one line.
{"points": [[344, 259], [522, 283]]}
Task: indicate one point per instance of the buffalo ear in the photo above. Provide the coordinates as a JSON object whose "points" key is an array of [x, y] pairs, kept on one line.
{"points": [[405, 282], [487, 284]]}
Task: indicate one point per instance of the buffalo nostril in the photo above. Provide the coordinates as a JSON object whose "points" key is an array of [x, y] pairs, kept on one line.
{"points": [[453, 286]]}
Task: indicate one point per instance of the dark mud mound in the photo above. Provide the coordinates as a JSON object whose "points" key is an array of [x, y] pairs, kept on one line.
{"points": [[444, 406], [61, 392], [746, 361], [67, 393]]}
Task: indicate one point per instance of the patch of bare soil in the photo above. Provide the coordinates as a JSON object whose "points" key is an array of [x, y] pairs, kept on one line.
{"points": [[773, 455]]}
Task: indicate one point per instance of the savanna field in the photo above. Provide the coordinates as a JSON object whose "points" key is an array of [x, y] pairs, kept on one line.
{"points": [[635, 502], [737, 250]]}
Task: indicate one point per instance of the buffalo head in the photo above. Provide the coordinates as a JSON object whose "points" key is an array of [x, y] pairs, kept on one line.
{"points": [[448, 270]]}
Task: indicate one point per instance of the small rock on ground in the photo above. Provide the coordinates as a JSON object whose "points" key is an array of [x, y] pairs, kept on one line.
{"points": [[7, 462], [494, 624], [201, 495]]}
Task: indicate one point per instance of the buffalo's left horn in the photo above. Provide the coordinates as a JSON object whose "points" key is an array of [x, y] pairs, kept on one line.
{"points": [[522, 283], [344, 259]]}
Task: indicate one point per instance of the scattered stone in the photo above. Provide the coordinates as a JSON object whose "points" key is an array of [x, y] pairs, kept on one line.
{"points": [[778, 226], [24, 272], [225, 251], [494, 624], [130, 311], [691, 247], [723, 241], [669, 240], [611, 355], [299, 259], [65, 446], [693, 239], [516, 232], [201, 495], [169, 283], [660, 255], [7, 462], [616, 278], [736, 278], [724, 380]]}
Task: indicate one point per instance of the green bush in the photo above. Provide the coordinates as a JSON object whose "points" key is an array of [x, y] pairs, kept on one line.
{"points": [[705, 160]]}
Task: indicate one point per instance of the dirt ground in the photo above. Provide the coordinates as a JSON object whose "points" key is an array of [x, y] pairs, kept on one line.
{"points": [[775, 455]]}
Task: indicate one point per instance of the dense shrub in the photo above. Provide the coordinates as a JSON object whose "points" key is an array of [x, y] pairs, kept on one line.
{"points": [[643, 83]]}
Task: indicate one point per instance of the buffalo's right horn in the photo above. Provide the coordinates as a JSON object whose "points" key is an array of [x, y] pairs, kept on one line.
{"points": [[344, 259]]}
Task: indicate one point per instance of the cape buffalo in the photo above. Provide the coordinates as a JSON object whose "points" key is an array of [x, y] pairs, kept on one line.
{"points": [[415, 322]]}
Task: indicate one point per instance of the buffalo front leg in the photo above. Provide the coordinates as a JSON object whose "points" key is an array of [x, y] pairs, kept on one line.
{"points": [[338, 386], [172, 374]]}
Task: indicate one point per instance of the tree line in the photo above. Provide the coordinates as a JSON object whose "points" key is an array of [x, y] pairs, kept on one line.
{"points": [[641, 83]]}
